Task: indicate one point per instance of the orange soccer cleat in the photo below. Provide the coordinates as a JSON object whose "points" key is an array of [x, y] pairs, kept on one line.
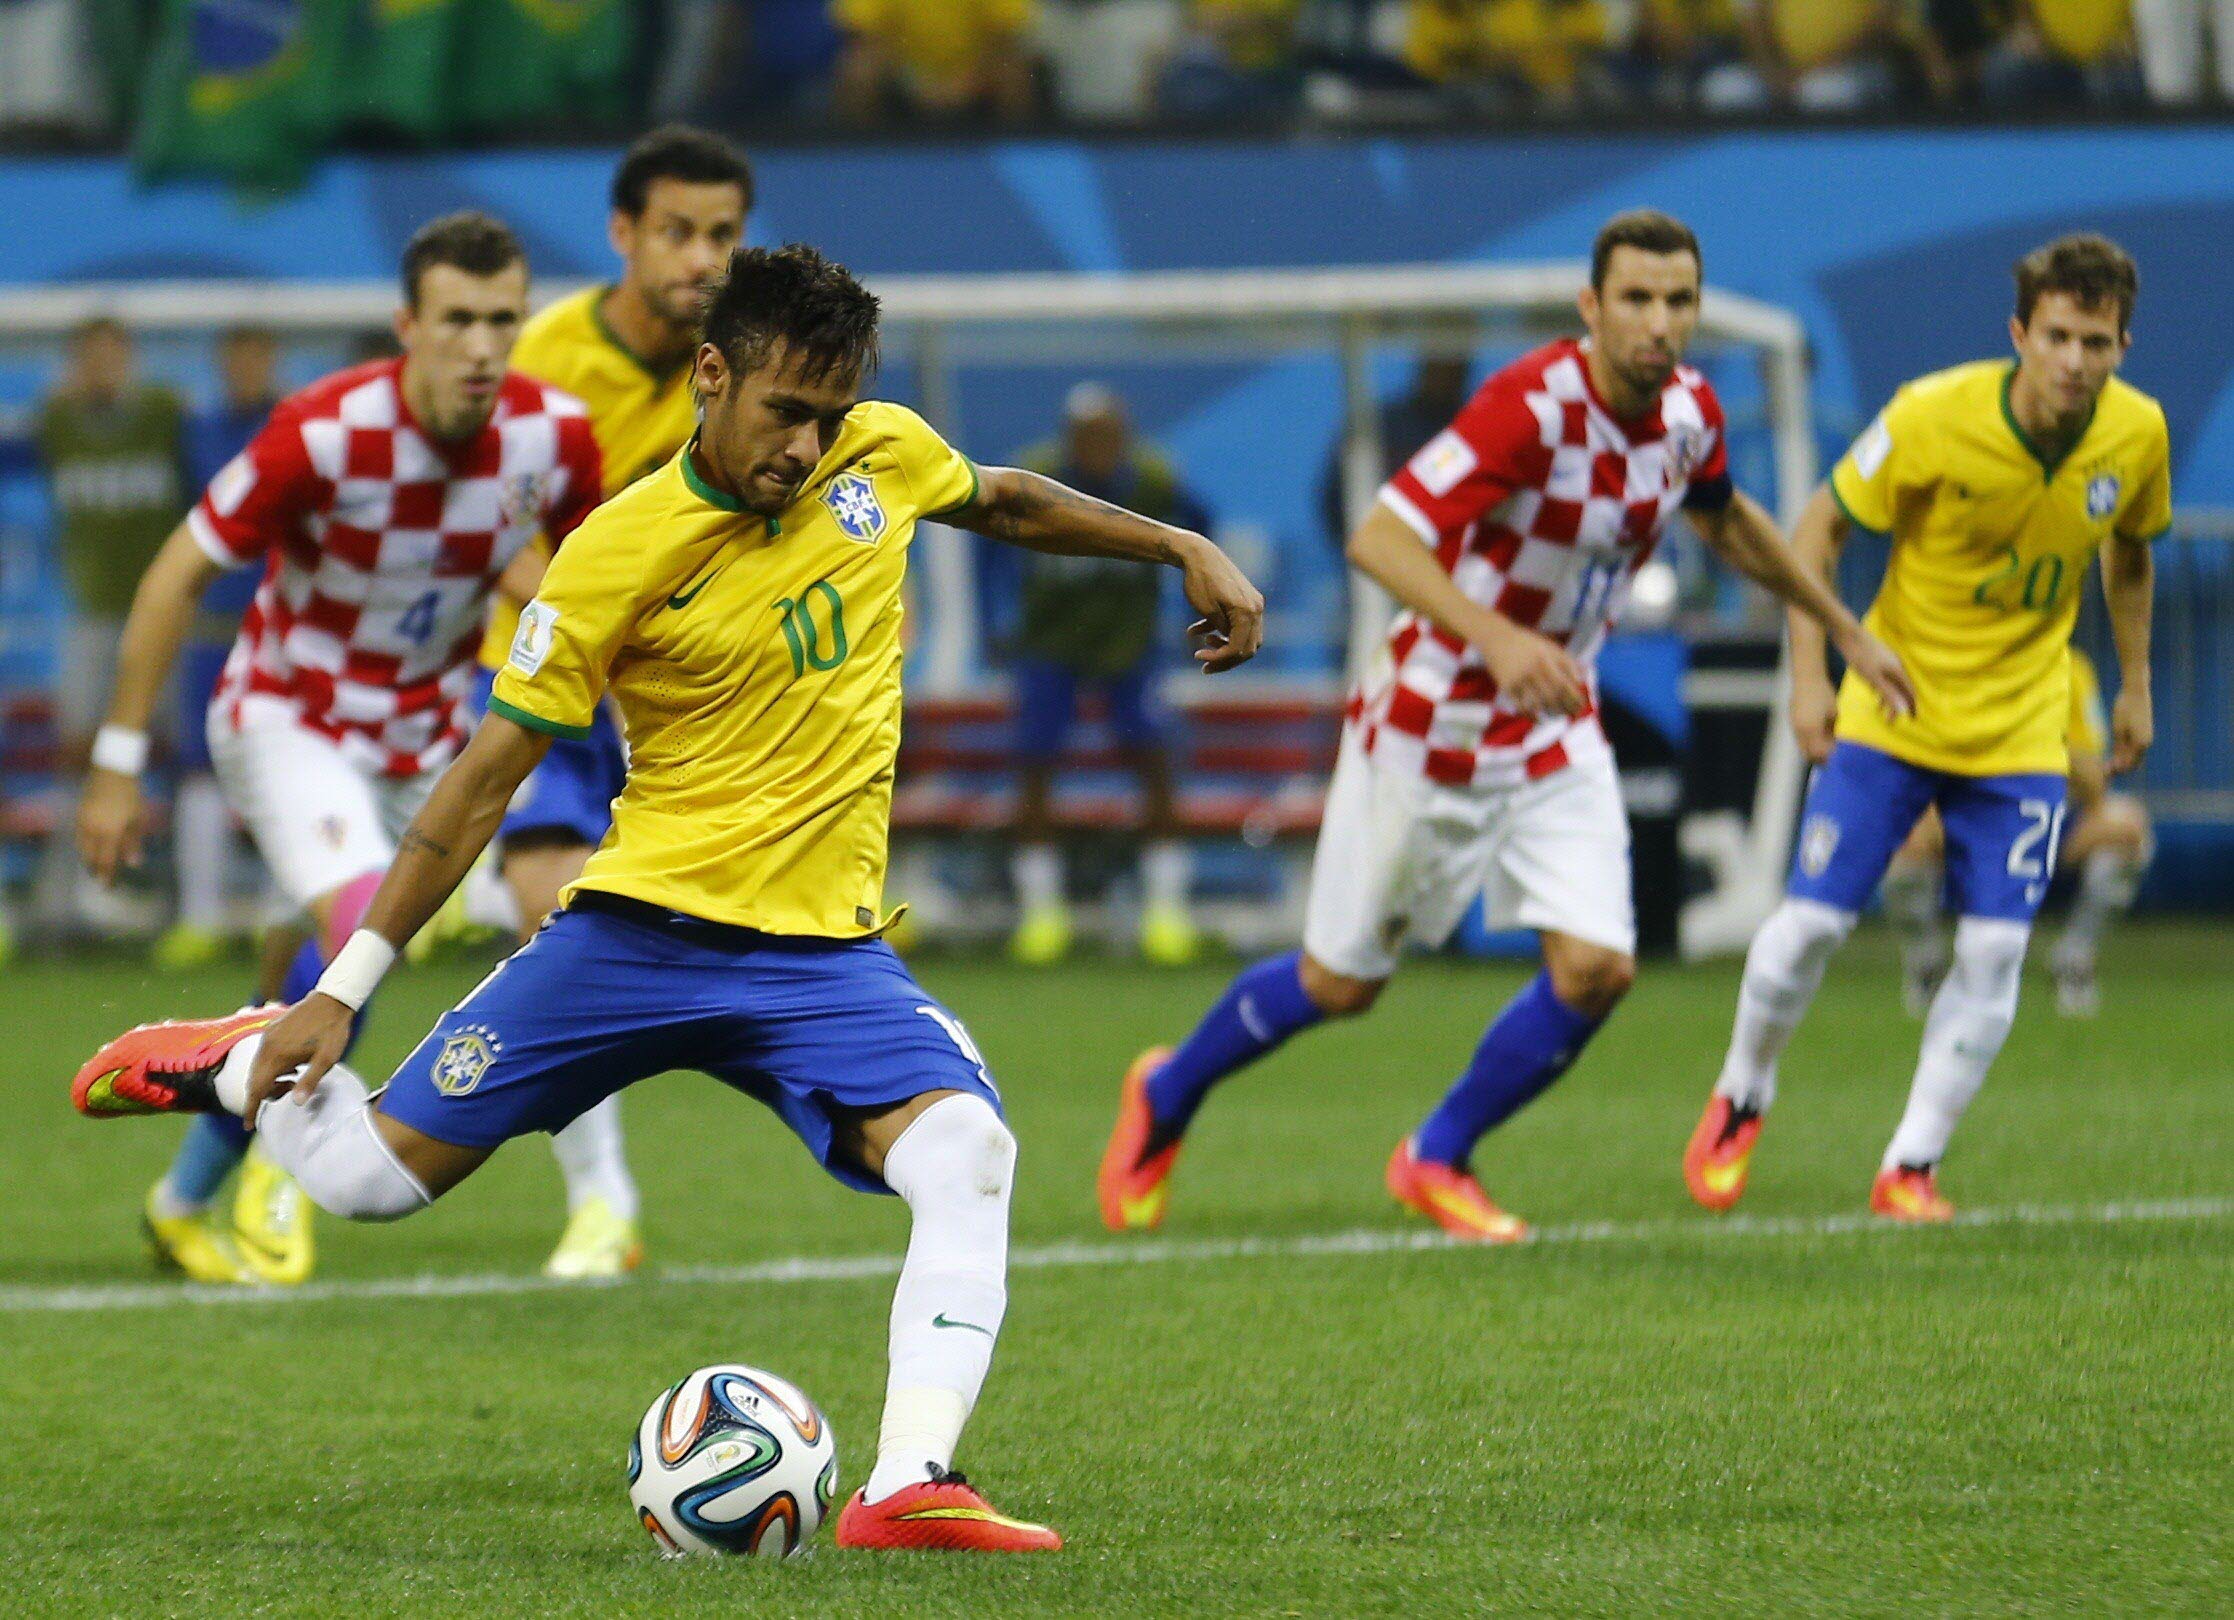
{"points": [[1450, 1198], [1720, 1154], [168, 1068], [944, 1514], [1902, 1192], [1134, 1185]]}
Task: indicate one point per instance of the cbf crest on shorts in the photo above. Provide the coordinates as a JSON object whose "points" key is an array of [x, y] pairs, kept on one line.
{"points": [[1818, 843], [2102, 496], [465, 1057], [852, 499]]}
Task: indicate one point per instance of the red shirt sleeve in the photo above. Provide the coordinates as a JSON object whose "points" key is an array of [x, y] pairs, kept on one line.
{"points": [[260, 497], [1493, 447], [1710, 489], [582, 483]]}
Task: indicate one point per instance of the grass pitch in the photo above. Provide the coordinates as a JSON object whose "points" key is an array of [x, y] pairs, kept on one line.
{"points": [[1286, 1409]]}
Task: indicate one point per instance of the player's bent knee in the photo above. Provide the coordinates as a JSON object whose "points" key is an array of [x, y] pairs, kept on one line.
{"points": [[1337, 994], [1591, 979], [957, 1145], [435, 1166], [1989, 958]]}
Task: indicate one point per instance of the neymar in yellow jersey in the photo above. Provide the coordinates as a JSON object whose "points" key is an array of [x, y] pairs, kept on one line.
{"points": [[679, 202], [742, 607], [1996, 482]]}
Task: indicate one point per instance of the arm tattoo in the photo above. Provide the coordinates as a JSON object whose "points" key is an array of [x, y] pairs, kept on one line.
{"points": [[415, 839]]}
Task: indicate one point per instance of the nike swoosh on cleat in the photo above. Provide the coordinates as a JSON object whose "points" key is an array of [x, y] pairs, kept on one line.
{"points": [[1721, 1178], [1142, 1208], [976, 1515], [945, 1321]]}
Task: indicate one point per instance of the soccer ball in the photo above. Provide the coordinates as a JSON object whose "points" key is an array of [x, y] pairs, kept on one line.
{"points": [[732, 1460]]}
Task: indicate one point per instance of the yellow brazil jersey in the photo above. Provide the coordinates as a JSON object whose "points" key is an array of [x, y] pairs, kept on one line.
{"points": [[2087, 730], [756, 667], [1989, 557], [639, 417]]}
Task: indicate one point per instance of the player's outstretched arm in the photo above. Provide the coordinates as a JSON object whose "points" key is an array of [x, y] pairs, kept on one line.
{"points": [[1532, 671], [1743, 535], [443, 841], [1039, 514], [110, 823], [2129, 592]]}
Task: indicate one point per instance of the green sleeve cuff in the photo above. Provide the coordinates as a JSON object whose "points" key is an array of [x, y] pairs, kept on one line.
{"points": [[965, 500], [535, 722], [1851, 516]]}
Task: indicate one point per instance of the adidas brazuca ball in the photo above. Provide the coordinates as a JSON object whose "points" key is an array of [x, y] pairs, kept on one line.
{"points": [[732, 1460]]}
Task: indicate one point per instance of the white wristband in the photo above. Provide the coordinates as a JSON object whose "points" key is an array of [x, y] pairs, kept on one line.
{"points": [[356, 970], [120, 749]]}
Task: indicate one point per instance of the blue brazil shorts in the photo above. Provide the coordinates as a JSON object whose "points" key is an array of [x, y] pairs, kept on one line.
{"points": [[611, 991], [2002, 832], [573, 789], [1047, 703]]}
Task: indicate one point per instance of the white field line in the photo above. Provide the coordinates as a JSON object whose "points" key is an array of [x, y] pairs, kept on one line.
{"points": [[1152, 1251]]}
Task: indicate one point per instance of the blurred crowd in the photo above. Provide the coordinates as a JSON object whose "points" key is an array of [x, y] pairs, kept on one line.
{"points": [[69, 65]]}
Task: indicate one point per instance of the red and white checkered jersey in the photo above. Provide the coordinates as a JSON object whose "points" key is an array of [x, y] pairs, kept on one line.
{"points": [[380, 544], [1542, 504]]}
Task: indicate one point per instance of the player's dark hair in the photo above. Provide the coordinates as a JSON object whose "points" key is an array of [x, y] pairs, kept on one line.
{"points": [[678, 152], [2088, 269], [1648, 230], [794, 296], [477, 243]]}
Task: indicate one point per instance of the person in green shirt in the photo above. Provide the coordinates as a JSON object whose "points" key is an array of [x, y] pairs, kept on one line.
{"points": [[1084, 625], [113, 448]]}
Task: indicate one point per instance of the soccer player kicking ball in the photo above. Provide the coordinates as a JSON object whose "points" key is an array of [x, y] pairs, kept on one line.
{"points": [[743, 607], [1472, 758], [1996, 482], [382, 504], [679, 202]]}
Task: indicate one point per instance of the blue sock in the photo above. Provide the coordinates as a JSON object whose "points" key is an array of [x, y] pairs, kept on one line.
{"points": [[302, 972], [1530, 1045], [214, 1143], [1259, 1010]]}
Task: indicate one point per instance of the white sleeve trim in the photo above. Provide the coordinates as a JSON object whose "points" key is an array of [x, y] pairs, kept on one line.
{"points": [[212, 543], [1414, 519]]}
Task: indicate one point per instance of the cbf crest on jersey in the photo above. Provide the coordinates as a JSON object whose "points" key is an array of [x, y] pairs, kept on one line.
{"points": [[2102, 496], [465, 1057], [852, 499]]}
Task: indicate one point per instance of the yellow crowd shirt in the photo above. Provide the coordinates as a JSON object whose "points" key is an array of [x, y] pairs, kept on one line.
{"points": [[756, 666], [938, 46], [639, 417], [2084, 31], [1989, 558], [1817, 33]]}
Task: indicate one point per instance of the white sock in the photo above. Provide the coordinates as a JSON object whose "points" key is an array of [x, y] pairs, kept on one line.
{"points": [[1969, 1019], [594, 1160], [954, 1166], [1783, 970], [1037, 871], [489, 902], [202, 834], [1166, 869], [1911, 892], [2108, 881], [329, 1144]]}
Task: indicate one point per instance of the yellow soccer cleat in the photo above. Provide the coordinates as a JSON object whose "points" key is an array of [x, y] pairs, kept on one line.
{"points": [[192, 1246], [185, 946], [272, 1223], [1042, 938], [598, 1243], [1168, 937]]}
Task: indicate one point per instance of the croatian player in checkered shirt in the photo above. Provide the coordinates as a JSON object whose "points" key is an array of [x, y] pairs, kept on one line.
{"points": [[382, 503], [1472, 760]]}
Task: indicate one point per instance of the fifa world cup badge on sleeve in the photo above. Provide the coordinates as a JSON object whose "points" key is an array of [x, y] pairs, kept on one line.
{"points": [[531, 643]]}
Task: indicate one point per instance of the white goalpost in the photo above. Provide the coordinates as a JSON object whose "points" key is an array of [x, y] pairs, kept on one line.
{"points": [[941, 324]]}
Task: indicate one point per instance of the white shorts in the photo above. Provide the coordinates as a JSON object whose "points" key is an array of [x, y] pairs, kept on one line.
{"points": [[1401, 857], [319, 819]]}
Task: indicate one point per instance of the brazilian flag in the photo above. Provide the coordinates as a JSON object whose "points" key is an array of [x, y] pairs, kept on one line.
{"points": [[242, 89], [525, 63], [402, 60]]}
